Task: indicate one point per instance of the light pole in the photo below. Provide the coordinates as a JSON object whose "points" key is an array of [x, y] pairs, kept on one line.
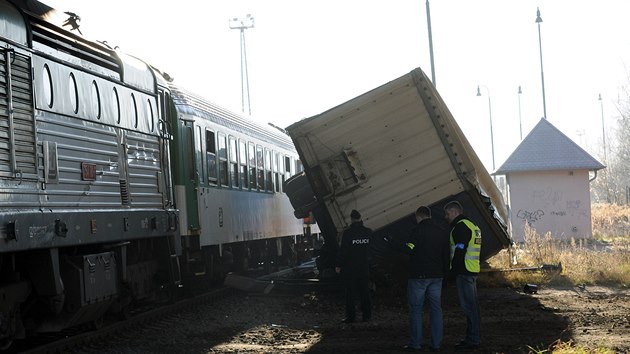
{"points": [[542, 75], [431, 44], [242, 24], [520, 120], [601, 105], [490, 114]]}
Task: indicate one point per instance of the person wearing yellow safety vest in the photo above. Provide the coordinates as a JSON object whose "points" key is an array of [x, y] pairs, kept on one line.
{"points": [[465, 239], [428, 249]]}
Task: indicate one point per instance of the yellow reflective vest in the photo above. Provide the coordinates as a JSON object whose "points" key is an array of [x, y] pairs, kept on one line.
{"points": [[473, 251]]}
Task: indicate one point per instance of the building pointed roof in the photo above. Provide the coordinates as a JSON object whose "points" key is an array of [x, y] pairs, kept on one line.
{"points": [[546, 148]]}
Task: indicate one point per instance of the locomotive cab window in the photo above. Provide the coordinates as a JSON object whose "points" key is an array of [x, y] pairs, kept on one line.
{"points": [[223, 163], [211, 157], [233, 162]]}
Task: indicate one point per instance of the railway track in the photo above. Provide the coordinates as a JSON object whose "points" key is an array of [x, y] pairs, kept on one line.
{"points": [[290, 281], [75, 341]]}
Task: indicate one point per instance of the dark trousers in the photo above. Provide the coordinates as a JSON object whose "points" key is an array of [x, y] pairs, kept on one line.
{"points": [[357, 288]]}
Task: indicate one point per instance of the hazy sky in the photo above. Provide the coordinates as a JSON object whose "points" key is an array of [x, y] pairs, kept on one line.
{"points": [[305, 57]]}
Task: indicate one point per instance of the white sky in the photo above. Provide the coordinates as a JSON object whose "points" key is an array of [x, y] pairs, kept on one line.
{"points": [[306, 56]]}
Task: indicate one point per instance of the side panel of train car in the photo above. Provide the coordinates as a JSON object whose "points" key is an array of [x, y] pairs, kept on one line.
{"points": [[87, 220], [391, 150], [229, 186]]}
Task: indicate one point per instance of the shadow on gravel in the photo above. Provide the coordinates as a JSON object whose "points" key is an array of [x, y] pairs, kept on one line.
{"points": [[512, 321]]}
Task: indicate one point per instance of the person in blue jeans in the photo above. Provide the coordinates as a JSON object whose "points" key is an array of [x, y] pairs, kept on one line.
{"points": [[465, 241], [428, 249]]}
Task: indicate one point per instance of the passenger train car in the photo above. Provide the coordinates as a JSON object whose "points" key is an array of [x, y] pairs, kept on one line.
{"points": [[229, 174], [117, 187]]}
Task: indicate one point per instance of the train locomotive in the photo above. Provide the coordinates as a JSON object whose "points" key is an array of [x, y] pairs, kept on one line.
{"points": [[117, 186]]}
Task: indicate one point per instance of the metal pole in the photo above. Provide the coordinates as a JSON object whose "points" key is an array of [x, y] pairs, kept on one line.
{"points": [[242, 25], [542, 75], [242, 86], [601, 104], [249, 105], [520, 121], [490, 114], [431, 45]]}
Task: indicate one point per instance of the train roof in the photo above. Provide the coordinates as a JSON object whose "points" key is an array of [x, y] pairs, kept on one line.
{"points": [[188, 102], [45, 30]]}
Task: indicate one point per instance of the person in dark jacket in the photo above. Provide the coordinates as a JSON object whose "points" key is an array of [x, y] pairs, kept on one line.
{"points": [[353, 265], [428, 249], [465, 240]]}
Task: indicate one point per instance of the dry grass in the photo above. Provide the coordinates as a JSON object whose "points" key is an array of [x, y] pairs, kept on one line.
{"points": [[560, 347], [603, 260]]}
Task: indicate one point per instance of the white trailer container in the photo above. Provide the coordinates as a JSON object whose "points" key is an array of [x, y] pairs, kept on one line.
{"points": [[389, 151]]}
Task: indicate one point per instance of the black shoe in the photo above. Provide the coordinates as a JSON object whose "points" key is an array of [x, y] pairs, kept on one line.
{"points": [[408, 348], [432, 349], [366, 319], [347, 320], [463, 345]]}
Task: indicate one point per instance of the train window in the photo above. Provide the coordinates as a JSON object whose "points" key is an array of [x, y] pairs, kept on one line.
{"points": [[298, 166], [73, 93], [117, 103], [135, 111], [48, 87], [223, 163], [242, 161], [191, 146], [150, 115], [197, 155], [260, 167], [211, 157], [268, 173], [277, 162], [233, 162], [96, 101], [252, 166], [289, 162]]}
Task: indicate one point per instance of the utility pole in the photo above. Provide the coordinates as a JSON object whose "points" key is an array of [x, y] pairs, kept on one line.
{"points": [[431, 44], [242, 24], [542, 75]]}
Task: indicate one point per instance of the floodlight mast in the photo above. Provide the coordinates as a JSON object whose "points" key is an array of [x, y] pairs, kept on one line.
{"points": [[242, 24]]}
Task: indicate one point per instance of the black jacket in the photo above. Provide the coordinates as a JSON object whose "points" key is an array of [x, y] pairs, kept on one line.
{"points": [[461, 234], [354, 253], [430, 253]]}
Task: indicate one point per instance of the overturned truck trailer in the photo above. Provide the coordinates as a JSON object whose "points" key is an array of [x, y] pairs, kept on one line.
{"points": [[385, 153]]}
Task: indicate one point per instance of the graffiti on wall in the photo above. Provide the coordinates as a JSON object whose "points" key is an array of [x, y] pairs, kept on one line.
{"points": [[547, 197], [530, 216]]}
